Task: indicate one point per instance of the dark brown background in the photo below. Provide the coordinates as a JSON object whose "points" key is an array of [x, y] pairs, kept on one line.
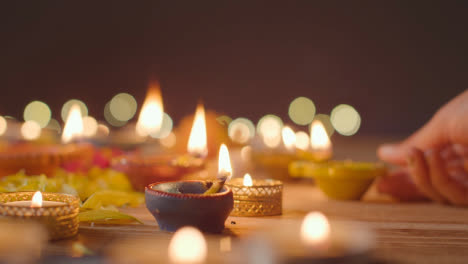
{"points": [[395, 61]]}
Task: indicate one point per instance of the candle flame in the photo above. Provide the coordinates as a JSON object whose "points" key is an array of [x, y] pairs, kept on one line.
{"points": [[188, 245], [302, 140], [224, 162], [315, 229], [319, 139], [151, 115], [36, 200], [248, 180], [74, 125], [197, 144], [289, 137]]}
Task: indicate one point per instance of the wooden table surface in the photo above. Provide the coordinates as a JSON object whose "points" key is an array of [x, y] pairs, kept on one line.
{"points": [[406, 233]]}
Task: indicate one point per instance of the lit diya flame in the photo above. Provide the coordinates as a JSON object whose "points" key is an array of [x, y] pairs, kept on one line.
{"points": [[36, 200], [289, 138], [224, 163], [224, 170], [151, 115], [319, 139], [188, 245], [302, 140], [197, 143], [315, 229], [74, 124], [248, 180], [320, 142]]}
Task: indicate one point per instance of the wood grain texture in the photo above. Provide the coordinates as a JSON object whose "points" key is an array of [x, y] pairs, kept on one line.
{"points": [[406, 233]]}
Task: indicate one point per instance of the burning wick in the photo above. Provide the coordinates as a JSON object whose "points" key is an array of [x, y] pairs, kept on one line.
{"points": [[224, 170], [36, 200]]}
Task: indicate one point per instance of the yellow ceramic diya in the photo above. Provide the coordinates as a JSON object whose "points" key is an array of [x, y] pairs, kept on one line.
{"points": [[341, 180]]}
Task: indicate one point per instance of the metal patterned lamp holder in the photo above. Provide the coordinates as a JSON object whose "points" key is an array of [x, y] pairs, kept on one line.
{"points": [[61, 221], [264, 198]]}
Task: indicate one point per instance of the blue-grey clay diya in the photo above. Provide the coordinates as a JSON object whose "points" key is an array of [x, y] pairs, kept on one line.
{"points": [[182, 203]]}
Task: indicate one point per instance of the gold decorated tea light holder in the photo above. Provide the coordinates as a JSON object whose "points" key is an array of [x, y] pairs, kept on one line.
{"points": [[58, 213], [256, 197]]}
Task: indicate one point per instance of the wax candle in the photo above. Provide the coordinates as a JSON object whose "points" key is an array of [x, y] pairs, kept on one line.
{"points": [[321, 147], [256, 197], [36, 202], [58, 214]]}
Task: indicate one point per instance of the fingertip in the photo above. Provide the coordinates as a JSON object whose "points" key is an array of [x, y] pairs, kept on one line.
{"points": [[392, 153]]}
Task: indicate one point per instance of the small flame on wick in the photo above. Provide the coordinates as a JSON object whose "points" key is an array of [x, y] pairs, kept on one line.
{"points": [[319, 139], [197, 143], [74, 125], [36, 200], [289, 138], [151, 115], [224, 163], [248, 180]]}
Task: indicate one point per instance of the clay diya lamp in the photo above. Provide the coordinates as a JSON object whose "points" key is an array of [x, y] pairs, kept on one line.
{"points": [[42, 158], [37, 158], [145, 169], [183, 203], [151, 164], [341, 180], [274, 161], [205, 205]]}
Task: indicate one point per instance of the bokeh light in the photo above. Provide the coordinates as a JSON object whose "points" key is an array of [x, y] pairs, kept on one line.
{"points": [[302, 110], [39, 112], [302, 140], [345, 119], [269, 127], [325, 119], [110, 118], [30, 130], [103, 130], [166, 127], [169, 141], [67, 106], [90, 126], [3, 125], [54, 125], [123, 106], [241, 130], [224, 120]]}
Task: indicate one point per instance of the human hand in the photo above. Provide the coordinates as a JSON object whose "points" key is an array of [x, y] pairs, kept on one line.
{"points": [[435, 158]]}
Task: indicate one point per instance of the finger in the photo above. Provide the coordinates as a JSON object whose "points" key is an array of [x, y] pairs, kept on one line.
{"points": [[393, 153], [449, 153], [441, 181], [461, 150], [420, 175], [399, 185]]}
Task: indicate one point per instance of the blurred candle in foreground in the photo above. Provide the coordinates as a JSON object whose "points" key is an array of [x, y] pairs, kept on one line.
{"points": [[151, 114], [187, 246], [315, 230], [197, 143], [320, 142], [74, 125]]}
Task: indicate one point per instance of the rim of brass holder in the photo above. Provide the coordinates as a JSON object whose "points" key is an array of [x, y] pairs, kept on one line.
{"points": [[264, 198], [61, 221]]}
